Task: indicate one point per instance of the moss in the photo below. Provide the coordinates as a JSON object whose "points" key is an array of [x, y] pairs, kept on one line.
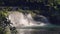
{"points": [[7, 30]]}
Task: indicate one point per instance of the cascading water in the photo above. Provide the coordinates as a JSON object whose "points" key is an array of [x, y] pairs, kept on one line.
{"points": [[19, 20]]}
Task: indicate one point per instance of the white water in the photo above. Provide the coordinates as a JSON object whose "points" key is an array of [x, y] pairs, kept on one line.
{"points": [[20, 20]]}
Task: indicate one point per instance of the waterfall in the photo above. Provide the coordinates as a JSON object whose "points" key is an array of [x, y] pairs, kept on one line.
{"points": [[19, 20]]}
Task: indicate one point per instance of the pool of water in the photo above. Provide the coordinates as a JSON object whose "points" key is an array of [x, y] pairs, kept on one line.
{"points": [[40, 30]]}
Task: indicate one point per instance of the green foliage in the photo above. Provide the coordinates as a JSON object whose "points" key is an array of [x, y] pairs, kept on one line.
{"points": [[20, 10], [58, 1], [3, 13], [4, 23], [3, 20]]}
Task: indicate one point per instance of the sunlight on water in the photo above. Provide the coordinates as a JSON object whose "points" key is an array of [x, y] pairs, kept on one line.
{"points": [[20, 20], [25, 31]]}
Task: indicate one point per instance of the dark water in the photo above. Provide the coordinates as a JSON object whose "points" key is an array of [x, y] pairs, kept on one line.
{"points": [[51, 29], [37, 31]]}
